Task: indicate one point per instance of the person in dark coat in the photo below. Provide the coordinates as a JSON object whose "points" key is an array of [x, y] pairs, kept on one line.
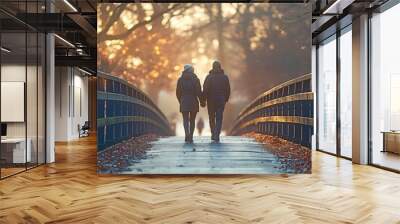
{"points": [[200, 126], [216, 92], [188, 92]]}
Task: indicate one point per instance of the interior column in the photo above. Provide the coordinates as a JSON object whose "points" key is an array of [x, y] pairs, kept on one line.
{"points": [[360, 90]]}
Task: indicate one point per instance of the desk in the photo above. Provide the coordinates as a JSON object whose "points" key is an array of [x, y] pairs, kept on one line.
{"points": [[13, 150], [391, 141]]}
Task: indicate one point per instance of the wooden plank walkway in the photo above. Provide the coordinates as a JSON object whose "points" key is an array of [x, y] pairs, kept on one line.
{"points": [[233, 155]]}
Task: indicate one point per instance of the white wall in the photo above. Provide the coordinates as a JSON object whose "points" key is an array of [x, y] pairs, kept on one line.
{"points": [[33, 126], [80, 110], [71, 102], [62, 81], [13, 73]]}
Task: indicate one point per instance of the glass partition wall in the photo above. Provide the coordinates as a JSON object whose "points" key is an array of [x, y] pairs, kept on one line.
{"points": [[22, 88], [334, 93]]}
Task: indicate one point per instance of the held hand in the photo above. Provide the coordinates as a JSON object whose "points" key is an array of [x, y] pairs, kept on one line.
{"points": [[203, 103]]}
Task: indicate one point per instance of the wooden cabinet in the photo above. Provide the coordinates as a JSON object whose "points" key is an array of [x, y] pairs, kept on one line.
{"points": [[391, 142]]}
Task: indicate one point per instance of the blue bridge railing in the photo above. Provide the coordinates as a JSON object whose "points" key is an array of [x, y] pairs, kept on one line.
{"points": [[123, 112], [285, 111]]}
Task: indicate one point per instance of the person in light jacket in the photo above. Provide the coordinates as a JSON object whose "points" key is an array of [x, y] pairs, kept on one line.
{"points": [[188, 92]]}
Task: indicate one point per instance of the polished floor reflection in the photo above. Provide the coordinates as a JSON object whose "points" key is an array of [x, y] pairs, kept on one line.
{"points": [[387, 159], [71, 191]]}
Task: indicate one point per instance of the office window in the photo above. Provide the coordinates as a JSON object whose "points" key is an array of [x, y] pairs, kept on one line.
{"points": [[327, 95], [22, 92], [346, 93], [385, 88], [15, 149]]}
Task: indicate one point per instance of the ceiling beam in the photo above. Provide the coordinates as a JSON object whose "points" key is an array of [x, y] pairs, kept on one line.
{"points": [[337, 7], [84, 24], [49, 22], [79, 61]]}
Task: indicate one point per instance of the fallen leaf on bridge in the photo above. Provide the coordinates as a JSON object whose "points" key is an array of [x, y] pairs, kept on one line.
{"points": [[293, 157], [118, 157]]}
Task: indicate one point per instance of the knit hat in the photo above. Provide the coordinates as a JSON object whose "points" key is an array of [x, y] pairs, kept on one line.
{"points": [[188, 67]]}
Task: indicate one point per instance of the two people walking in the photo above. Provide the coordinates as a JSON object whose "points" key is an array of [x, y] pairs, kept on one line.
{"points": [[215, 94]]}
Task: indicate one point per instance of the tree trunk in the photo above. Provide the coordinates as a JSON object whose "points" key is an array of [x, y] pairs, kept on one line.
{"points": [[220, 33]]}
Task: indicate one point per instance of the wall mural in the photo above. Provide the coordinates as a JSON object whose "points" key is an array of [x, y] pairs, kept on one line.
{"points": [[200, 88]]}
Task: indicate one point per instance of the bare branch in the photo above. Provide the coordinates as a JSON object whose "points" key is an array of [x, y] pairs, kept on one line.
{"points": [[136, 26], [114, 17]]}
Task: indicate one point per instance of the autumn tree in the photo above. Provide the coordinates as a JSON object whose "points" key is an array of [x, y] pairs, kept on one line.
{"points": [[258, 44], [136, 43]]}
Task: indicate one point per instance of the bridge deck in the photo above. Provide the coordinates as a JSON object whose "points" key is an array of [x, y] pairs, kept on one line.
{"points": [[233, 155]]}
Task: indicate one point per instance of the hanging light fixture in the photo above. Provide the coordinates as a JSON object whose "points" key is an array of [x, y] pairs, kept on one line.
{"points": [[70, 5], [64, 40], [5, 50]]}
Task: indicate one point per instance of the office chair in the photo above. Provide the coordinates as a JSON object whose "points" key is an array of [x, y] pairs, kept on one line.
{"points": [[84, 130]]}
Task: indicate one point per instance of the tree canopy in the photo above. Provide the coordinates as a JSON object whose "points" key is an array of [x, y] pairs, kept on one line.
{"points": [[260, 45]]}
